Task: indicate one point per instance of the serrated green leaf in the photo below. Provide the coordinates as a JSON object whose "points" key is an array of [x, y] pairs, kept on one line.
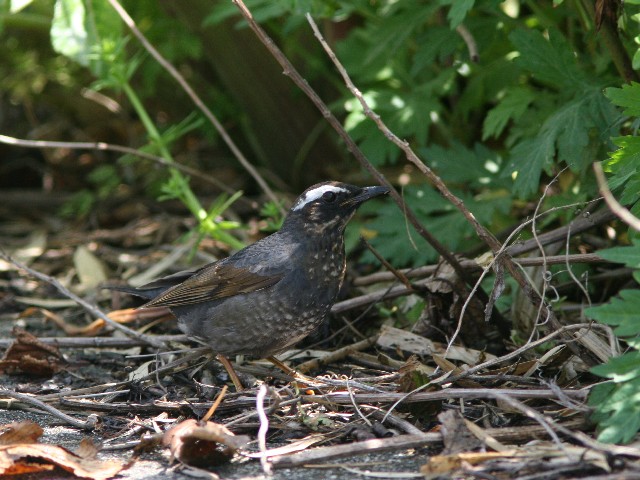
{"points": [[623, 312], [628, 97], [514, 103], [620, 369], [433, 44], [617, 410], [527, 160], [627, 255], [571, 124], [550, 61]]}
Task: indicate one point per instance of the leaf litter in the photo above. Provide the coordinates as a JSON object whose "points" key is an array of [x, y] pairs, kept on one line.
{"points": [[383, 387]]}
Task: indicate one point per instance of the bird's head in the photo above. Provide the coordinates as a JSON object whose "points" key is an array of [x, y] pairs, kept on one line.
{"points": [[329, 205]]}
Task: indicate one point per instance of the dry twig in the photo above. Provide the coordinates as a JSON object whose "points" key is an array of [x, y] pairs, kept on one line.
{"points": [[621, 212], [90, 308], [164, 63]]}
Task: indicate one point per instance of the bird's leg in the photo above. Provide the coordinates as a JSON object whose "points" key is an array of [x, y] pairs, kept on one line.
{"points": [[231, 371], [290, 371]]}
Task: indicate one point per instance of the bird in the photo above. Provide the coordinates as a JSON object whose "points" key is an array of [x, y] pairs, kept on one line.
{"points": [[271, 294]]}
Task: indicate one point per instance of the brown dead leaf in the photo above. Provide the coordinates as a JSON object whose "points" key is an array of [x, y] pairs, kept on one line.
{"points": [[448, 366], [413, 374], [87, 449], [442, 464], [29, 355], [20, 432], [202, 444], [36, 457], [455, 435]]}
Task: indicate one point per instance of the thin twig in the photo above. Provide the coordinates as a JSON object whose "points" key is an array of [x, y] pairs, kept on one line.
{"points": [[530, 412], [473, 265], [295, 76], [109, 147], [623, 214], [90, 308], [99, 342], [215, 405], [89, 424], [336, 355], [355, 404], [394, 271], [472, 46], [164, 63], [518, 351], [264, 428], [484, 234], [343, 398]]}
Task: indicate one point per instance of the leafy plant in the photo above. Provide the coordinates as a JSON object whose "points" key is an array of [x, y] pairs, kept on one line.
{"points": [[617, 403], [92, 35]]}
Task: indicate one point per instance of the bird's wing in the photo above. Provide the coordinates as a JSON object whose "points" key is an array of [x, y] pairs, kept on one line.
{"points": [[214, 282], [156, 287]]}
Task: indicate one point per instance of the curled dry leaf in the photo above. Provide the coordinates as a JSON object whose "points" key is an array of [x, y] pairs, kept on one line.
{"points": [[20, 454], [442, 465], [29, 355], [202, 444], [20, 432]]}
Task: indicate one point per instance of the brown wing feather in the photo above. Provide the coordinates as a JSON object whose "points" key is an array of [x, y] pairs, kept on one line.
{"points": [[219, 281]]}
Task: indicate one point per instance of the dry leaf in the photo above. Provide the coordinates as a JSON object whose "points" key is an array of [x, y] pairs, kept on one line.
{"points": [[442, 464], [394, 338], [20, 432], [29, 355], [202, 444], [447, 366], [90, 269], [455, 435], [20, 454]]}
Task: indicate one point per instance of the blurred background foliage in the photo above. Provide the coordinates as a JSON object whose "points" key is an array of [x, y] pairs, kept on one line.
{"points": [[497, 98], [500, 98]]}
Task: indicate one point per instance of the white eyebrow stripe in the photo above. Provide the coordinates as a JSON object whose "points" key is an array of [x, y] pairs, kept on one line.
{"points": [[315, 194]]}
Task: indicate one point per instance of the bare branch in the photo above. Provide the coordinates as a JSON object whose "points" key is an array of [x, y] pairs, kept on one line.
{"points": [[90, 308], [195, 98]]}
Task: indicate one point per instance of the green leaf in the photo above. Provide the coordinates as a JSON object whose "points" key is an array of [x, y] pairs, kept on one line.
{"points": [[434, 44], [628, 255], [458, 11], [550, 61], [627, 97], [514, 103], [69, 35], [623, 312], [18, 5], [571, 124], [527, 161], [617, 410], [620, 369], [91, 36]]}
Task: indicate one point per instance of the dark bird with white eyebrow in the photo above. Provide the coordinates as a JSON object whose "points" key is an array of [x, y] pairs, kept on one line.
{"points": [[273, 293]]}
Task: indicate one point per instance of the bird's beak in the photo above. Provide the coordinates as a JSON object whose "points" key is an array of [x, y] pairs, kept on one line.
{"points": [[367, 193]]}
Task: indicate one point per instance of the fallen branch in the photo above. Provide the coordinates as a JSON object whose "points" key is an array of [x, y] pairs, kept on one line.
{"points": [[89, 424], [321, 454], [99, 342], [343, 398], [90, 308]]}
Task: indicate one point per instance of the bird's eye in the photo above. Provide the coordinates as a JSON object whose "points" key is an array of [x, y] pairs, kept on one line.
{"points": [[329, 197]]}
